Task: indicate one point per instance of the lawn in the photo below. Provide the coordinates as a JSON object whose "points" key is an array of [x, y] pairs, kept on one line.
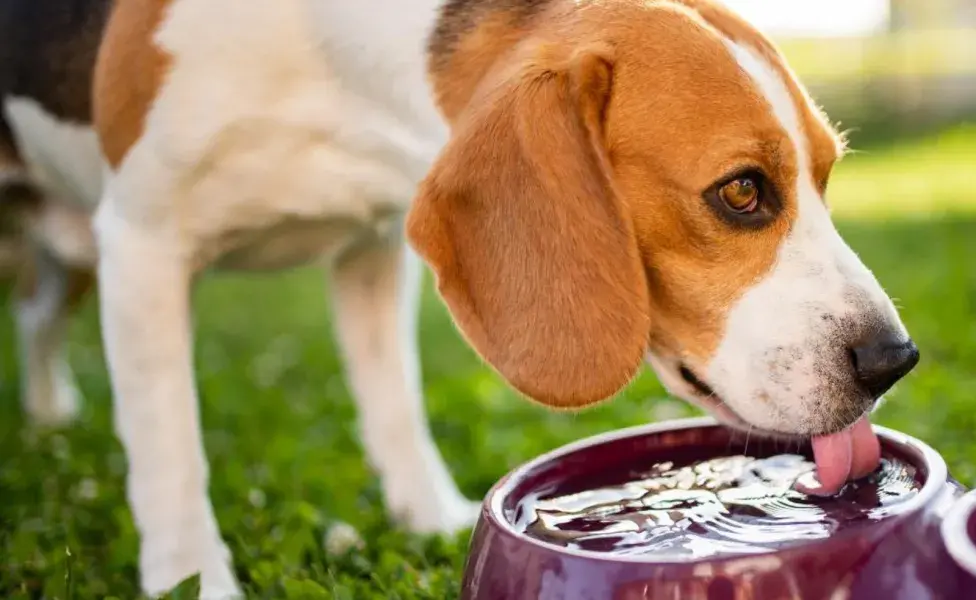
{"points": [[925, 52], [280, 426]]}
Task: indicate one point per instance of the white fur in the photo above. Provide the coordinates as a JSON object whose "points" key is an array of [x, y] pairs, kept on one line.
{"points": [[65, 231], [61, 156], [286, 132], [781, 364], [47, 386], [375, 293], [63, 159], [145, 283]]}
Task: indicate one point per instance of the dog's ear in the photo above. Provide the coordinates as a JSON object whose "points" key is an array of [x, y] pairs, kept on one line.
{"points": [[534, 253]]}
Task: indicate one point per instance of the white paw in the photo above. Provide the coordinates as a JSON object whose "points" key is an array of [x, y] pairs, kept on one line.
{"points": [[445, 513], [166, 565], [457, 516], [219, 590]]}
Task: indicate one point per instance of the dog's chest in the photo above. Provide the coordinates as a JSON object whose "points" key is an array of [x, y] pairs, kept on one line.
{"points": [[317, 129], [297, 128]]}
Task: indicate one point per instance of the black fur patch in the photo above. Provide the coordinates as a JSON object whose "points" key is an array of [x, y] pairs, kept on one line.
{"points": [[459, 17], [47, 53]]}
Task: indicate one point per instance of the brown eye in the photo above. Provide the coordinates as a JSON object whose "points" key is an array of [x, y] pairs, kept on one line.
{"points": [[741, 195], [746, 199]]}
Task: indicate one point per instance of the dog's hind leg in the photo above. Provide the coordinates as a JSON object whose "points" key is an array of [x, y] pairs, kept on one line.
{"points": [[47, 291], [375, 292], [144, 279]]}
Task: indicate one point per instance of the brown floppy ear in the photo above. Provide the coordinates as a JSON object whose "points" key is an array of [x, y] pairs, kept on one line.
{"points": [[533, 252]]}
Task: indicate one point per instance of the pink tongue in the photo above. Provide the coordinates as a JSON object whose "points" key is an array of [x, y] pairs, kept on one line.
{"points": [[850, 454]]}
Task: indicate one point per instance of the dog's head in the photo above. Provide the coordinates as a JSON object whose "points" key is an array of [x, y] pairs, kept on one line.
{"points": [[647, 180]]}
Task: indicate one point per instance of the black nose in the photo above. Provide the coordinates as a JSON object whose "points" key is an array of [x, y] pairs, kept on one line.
{"points": [[882, 361]]}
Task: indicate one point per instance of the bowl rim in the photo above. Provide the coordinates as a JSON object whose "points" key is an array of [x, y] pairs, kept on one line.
{"points": [[936, 480], [955, 532]]}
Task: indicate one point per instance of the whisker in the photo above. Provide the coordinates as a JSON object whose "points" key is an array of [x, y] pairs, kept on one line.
{"points": [[715, 398]]}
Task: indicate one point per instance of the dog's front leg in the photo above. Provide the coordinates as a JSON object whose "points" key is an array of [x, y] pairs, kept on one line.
{"points": [[375, 290], [145, 310]]}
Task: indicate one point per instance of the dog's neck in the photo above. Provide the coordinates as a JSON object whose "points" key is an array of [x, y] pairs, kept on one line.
{"points": [[377, 48], [401, 53]]}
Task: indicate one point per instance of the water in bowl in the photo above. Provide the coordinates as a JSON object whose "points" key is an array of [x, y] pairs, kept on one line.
{"points": [[727, 505]]}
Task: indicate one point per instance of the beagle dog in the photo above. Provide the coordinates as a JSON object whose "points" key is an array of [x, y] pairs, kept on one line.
{"points": [[595, 185]]}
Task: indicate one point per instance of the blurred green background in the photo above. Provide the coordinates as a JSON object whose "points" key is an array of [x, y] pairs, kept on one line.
{"points": [[280, 426]]}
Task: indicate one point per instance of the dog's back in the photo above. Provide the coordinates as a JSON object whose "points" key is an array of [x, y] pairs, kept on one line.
{"points": [[47, 57], [48, 53]]}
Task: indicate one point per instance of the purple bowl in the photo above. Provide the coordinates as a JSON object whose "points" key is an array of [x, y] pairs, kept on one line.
{"points": [[898, 557], [959, 535]]}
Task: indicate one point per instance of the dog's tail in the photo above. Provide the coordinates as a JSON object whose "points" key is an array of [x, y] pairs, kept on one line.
{"points": [[18, 193]]}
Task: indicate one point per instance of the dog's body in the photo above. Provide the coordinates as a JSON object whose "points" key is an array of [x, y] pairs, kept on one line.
{"points": [[273, 133], [279, 142]]}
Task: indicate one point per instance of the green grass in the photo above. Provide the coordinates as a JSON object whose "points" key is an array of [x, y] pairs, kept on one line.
{"points": [[919, 53], [932, 176], [280, 426]]}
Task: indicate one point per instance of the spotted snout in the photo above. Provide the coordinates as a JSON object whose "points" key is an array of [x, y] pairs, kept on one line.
{"points": [[812, 347], [805, 388]]}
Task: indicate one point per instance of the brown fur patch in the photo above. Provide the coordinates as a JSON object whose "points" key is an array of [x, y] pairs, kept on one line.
{"points": [[824, 145], [79, 283], [510, 217], [469, 58], [9, 157], [469, 40], [684, 117], [459, 19], [128, 75], [533, 250]]}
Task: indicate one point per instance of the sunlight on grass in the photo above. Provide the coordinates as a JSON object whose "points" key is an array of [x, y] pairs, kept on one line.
{"points": [[905, 54], [928, 177]]}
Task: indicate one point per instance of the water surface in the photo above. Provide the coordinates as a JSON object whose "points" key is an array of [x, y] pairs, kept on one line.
{"points": [[728, 505]]}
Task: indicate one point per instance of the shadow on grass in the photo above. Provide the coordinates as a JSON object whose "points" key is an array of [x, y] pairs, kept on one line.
{"points": [[281, 433]]}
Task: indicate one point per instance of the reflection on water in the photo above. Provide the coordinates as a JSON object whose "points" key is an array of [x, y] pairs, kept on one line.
{"points": [[727, 505]]}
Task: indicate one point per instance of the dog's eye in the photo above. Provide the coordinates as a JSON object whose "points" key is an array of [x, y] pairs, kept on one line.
{"points": [[741, 195], [745, 199]]}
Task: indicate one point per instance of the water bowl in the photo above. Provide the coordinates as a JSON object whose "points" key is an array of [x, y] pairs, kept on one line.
{"points": [[691, 509], [959, 536]]}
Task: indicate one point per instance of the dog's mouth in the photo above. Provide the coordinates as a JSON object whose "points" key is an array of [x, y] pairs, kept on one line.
{"points": [[700, 386], [707, 399], [850, 453]]}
